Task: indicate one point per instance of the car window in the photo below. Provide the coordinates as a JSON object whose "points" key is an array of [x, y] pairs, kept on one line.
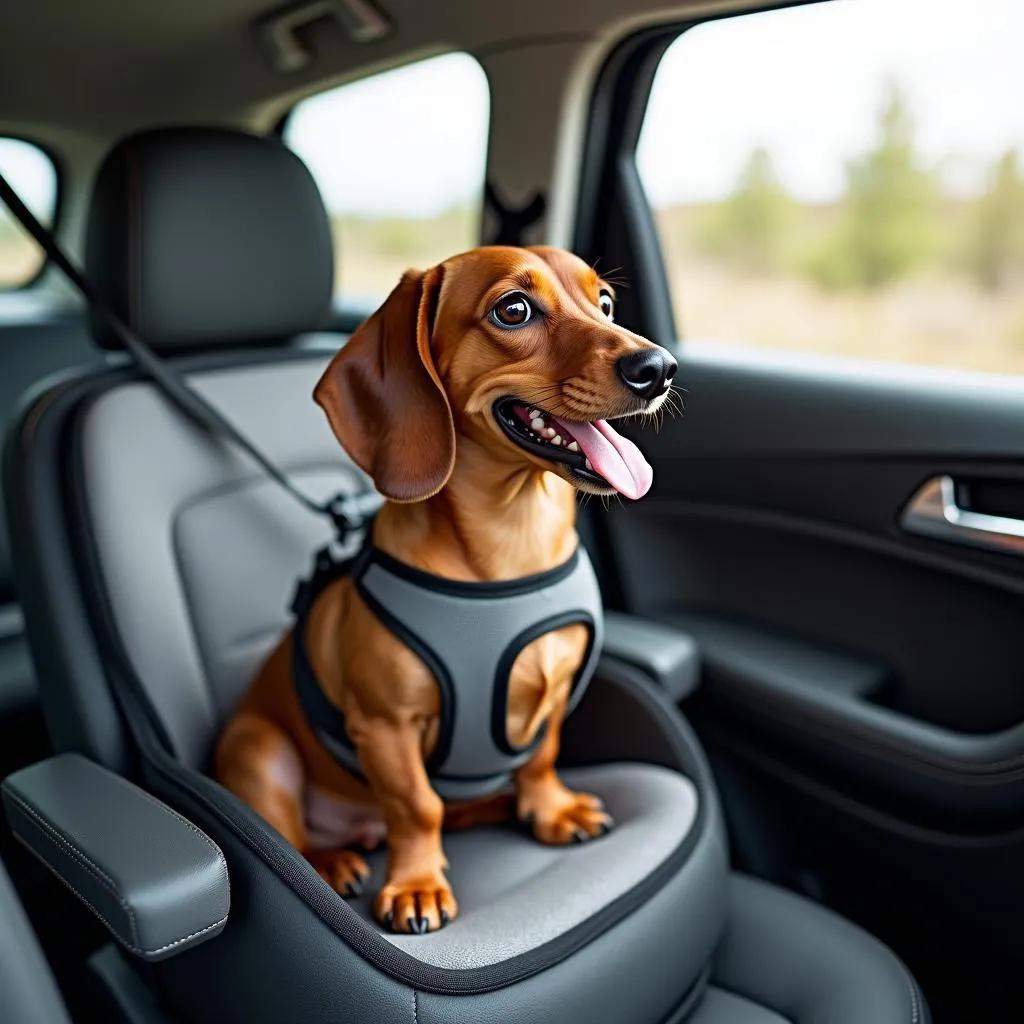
{"points": [[400, 159], [846, 178], [33, 176]]}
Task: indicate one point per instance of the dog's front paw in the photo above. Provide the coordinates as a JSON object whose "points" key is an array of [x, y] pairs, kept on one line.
{"points": [[557, 816], [343, 870], [416, 906]]}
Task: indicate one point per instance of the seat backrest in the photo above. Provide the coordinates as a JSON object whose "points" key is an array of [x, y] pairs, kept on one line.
{"points": [[200, 240], [199, 553]]}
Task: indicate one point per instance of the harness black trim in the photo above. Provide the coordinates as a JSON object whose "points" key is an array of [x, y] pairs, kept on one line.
{"points": [[466, 588]]}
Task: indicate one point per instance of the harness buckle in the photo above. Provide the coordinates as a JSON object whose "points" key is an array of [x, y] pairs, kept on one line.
{"points": [[349, 512]]}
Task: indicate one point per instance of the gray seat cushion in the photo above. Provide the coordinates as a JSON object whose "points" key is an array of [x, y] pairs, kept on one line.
{"points": [[516, 894]]}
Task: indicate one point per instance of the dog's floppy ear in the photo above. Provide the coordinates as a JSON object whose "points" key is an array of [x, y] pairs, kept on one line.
{"points": [[384, 399]]}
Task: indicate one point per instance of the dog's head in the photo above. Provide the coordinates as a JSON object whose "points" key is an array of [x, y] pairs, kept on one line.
{"points": [[515, 349]]}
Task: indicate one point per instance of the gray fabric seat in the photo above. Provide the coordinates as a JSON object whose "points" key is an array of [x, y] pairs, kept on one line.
{"points": [[156, 567]]}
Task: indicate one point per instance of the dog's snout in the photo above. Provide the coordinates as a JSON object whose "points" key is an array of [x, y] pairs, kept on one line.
{"points": [[648, 372]]}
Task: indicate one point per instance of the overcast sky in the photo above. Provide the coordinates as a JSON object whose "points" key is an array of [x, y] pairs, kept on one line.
{"points": [[805, 82]]}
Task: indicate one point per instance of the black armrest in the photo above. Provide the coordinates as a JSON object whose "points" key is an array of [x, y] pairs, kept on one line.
{"points": [[157, 882], [668, 655]]}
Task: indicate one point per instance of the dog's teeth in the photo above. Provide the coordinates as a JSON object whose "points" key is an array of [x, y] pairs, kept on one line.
{"points": [[537, 423], [573, 446], [549, 432], [557, 439], [587, 461]]}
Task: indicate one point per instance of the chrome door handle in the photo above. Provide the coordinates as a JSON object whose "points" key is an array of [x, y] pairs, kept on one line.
{"points": [[933, 512]]}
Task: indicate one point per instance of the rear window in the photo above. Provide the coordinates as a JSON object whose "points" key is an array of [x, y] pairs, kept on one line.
{"points": [[400, 160], [33, 176]]}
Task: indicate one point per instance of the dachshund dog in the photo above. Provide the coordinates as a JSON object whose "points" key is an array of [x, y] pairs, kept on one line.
{"points": [[477, 399]]}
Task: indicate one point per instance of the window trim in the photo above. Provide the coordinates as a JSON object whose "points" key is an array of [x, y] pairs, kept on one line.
{"points": [[58, 209]]}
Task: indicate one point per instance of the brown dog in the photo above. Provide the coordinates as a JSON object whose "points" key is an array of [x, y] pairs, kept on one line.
{"points": [[417, 398]]}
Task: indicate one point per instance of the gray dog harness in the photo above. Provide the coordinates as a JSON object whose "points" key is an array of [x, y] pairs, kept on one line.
{"points": [[468, 635]]}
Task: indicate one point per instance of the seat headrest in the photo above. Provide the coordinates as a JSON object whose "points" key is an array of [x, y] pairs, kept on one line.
{"points": [[202, 238]]}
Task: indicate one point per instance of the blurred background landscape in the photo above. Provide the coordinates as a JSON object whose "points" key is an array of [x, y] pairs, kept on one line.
{"points": [[845, 178], [896, 268]]}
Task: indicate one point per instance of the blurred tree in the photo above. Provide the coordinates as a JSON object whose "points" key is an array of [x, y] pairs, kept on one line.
{"points": [[997, 252], [888, 226], [750, 227]]}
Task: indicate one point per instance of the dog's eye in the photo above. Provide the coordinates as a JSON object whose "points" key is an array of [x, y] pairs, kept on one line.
{"points": [[607, 304], [512, 310]]}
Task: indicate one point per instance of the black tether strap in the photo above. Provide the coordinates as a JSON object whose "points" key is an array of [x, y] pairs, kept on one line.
{"points": [[347, 512]]}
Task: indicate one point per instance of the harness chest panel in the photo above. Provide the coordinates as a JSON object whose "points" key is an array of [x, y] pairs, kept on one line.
{"points": [[468, 635]]}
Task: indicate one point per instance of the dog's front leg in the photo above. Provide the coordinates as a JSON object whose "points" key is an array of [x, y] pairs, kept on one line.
{"points": [[416, 896], [554, 812]]}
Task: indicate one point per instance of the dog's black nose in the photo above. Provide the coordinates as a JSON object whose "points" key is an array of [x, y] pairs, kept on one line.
{"points": [[648, 372]]}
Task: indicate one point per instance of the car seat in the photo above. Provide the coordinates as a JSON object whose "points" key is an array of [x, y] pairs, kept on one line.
{"points": [[156, 565]]}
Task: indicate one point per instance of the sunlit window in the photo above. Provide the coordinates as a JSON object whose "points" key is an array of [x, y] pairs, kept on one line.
{"points": [[846, 177], [33, 176], [400, 160]]}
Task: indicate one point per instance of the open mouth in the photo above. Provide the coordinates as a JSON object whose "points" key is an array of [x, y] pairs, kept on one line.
{"points": [[594, 451]]}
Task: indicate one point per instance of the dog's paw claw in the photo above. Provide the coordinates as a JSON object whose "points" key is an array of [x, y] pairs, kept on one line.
{"points": [[416, 908], [570, 818], [344, 871]]}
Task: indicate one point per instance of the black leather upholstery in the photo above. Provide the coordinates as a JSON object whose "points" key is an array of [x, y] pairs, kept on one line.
{"points": [[201, 238], [157, 882], [807, 965], [28, 993]]}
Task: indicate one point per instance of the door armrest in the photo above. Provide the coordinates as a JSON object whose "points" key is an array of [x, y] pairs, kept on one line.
{"points": [[157, 882], [669, 656]]}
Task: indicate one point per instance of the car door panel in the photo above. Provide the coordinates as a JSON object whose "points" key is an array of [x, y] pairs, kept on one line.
{"points": [[773, 534]]}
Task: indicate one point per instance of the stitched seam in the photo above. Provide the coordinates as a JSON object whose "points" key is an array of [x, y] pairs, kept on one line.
{"points": [[186, 938], [915, 1007], [415, 1007], [82, 859], [135, 946]]}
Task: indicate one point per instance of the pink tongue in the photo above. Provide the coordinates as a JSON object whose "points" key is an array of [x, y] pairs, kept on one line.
{"points": [[613, 456]]}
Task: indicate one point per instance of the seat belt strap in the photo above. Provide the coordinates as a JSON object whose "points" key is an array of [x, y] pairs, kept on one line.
{"points": [[347, 512]]}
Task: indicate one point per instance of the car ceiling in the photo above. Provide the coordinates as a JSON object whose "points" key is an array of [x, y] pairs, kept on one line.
{"points": [[107, 67]]}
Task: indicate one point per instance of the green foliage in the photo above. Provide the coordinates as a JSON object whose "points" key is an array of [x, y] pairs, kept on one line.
{"points": [[750, 229], [997, 249], [888, 226]]}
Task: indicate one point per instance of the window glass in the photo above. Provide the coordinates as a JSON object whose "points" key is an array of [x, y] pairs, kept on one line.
{"points": [[400, 160], [33, 176], [846, 177]]}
